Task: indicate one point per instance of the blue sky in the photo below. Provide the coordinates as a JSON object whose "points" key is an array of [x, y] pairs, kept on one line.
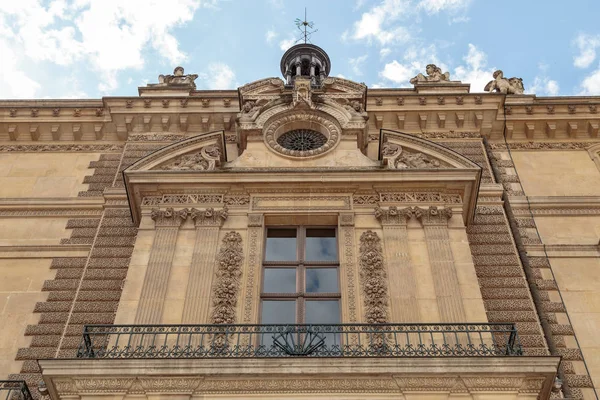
{"points": [[95, 48]]}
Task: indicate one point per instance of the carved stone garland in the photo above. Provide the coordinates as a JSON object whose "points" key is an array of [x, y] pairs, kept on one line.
{"points": [[227, 285], [373, 276]]}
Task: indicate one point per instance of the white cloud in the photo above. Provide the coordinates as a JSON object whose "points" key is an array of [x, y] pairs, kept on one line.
{"points": [[590, 86], [270, 36], [375, 23], [414, 61], [219, 76], [14, 83], [384, 52], [587, 45], [356, 64], [286, 44], [110, 35], [545, 86], [435, 6], [475, 71]]}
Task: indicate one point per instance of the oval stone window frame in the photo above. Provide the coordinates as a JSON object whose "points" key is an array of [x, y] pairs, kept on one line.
{"points": [[281, 124]]}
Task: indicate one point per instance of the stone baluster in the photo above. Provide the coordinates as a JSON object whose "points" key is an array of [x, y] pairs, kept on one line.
{"points": [[208, 223], [445, 279], [154, 291], [401, 274]]}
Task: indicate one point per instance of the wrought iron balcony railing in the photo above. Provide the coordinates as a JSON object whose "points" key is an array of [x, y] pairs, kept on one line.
{"points": [[259, 341], [14, 390]]}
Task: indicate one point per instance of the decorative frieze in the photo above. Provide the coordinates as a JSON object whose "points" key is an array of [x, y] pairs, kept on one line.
{"points": [[182, 199], [374, 279], [36, 148], [226, 288], [541, 145], [207, 159], [395, 157]]}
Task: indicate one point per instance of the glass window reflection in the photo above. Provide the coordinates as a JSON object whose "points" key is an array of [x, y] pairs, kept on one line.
{"points": [[279, 280], [321, 280], [278, 312], [321, 245], [281, 245]]}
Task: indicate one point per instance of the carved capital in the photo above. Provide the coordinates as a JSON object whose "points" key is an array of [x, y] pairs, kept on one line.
{"points": [[169, 217], [209, 216], [392, 215], [433, 215], [255, 220], [346, 219]]}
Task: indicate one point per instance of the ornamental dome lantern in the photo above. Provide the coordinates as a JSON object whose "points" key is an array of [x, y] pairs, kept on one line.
{"points": [[305, 60]]}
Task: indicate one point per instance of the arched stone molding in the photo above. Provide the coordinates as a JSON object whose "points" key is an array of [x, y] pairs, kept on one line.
{"points": [[594, 152]]}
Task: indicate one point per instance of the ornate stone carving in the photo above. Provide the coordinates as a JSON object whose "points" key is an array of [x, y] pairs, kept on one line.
{"points": [[34, 112], [177, 79], [355, 107], [182, 199], [227, 284], [13, 112], [255, 237], [207, 159], [56, 112], [396, 158], [373, 277], [420, 197], [541, 145], [77, 112], [506, 86], [365, 199], [238, 200], [168, 216], [434, 74], [210, 216], [392, 215], [61, 147], [433, 215]]}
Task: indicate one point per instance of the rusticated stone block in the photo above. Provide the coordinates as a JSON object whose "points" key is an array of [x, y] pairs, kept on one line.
{"points": [[112, 252], [83, 223], [109, 263], [54, 318], [475, 229], [117, 212], [95, 307], [553, 307], [68, 263], [580, 381], [63, 284], [532, 341], [496, 260], [505, 293], [502, 282], [539, 262], [69, 273], [489, 219], [547, 284], [55, 306], [46, 329], [106, 273], [30, 366], [61, 296], [98, 178], [117, 231], [535, 351], [490, 238], [93, 318], [482, 249], [492, 271], [71, 342], [512, 316], [109, 165], [35, 353], [117, 222], [110, 157], [77, 241], [528, 328], [101, 285], [570, 354], [561, 329], [106, 295], [509, 305], [45, 341], [115, 241]]}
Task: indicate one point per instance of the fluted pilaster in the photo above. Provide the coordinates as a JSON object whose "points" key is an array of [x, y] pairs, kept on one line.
{"points": [[154, 291], [400, 269], [445, 278], [197, 298]]}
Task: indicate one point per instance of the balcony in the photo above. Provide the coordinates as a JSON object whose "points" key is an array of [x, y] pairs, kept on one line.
{"points": [[271, 341], [14, 390]]}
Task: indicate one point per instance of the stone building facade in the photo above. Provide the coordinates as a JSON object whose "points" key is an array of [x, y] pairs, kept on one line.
{"points": [[302, 238]]}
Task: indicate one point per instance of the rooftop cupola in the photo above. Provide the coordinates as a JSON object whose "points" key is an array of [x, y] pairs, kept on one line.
{"points": [[305, 60]]}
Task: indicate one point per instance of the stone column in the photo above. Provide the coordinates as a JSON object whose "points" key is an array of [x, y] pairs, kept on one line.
{"points": [[401, 274], [348, 269], [154, 291], [445, 279], [256, 230], [197, 297]]}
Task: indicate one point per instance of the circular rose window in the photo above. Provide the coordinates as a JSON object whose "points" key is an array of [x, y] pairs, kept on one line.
{"points": [[302, 134], [302, 140]]}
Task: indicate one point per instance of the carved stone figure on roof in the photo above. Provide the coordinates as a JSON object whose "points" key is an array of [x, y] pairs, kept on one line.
{"points": [[434, 74], [506, 86], [178, 78]]}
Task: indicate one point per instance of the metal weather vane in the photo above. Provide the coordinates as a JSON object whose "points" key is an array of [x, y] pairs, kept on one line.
{"points": [[305, 27]]}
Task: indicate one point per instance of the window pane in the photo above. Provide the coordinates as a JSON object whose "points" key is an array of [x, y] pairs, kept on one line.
{"points": [[321, 245], [321, 280], [281, 245], [279, 280], [322, 311], [278, 312], [325, 312]]}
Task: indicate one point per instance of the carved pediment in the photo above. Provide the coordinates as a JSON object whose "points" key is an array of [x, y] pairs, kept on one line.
{"points": [[199, 153], [402, 151]]}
